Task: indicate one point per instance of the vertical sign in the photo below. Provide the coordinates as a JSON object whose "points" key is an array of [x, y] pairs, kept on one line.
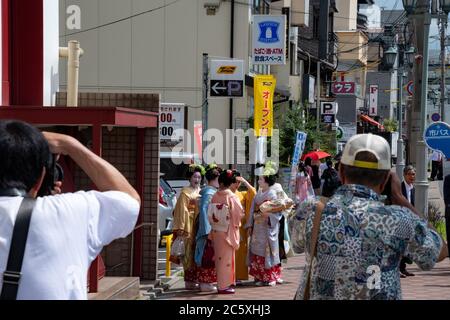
{"points": [[298, 151], [373, 100], [264, 89], [299, 147], [171, 120], [269, 39]]}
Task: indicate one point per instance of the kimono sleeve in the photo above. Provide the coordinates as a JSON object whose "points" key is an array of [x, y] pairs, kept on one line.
{"points": [[250, 221], [181, 212], [236, 211]]}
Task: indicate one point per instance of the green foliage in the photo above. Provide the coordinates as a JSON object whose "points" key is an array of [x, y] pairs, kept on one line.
{"points": [[436, 219], [390, 125], [295, 120]]}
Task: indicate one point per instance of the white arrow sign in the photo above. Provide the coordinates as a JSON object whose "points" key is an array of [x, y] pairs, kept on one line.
{"points": [[216, 88]]}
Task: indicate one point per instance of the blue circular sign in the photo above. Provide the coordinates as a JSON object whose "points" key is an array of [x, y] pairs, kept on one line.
{"points": [[435, 117]]}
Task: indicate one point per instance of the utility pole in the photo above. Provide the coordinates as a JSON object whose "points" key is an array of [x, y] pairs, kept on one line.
{"points": [[205, 105], [400, 159], [443, 27], [422, 21]]}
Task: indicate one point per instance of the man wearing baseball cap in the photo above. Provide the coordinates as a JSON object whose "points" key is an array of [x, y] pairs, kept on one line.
{"points": [[355, 242]]}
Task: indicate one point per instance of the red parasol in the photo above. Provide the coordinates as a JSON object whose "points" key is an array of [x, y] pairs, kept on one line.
{"points": [[316, 155]]}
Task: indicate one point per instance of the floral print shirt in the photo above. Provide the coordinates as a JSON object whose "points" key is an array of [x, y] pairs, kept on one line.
{"points": [[360, 244]]}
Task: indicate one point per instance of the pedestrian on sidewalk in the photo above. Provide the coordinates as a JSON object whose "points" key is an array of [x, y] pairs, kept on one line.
{"points": [[408, 191], [447, 207], [331, 180], [315, 178], [225, 215], [436, 165], [184, 216], [355, 241], [67, 231], [246, 199], [303, 184], [263, 229], [204, 249]]}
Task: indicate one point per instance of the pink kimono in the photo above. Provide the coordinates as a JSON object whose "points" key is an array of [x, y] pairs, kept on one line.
{"points": [[226, 243]]}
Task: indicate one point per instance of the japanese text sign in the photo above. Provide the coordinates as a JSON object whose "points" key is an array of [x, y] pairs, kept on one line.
{"points": [[373, 100], [269, 39], [437, 137], [171, 119], [299, 147], [344, 88], [264, 89]]}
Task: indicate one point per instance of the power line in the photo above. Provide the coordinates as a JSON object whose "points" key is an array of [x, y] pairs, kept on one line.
{"points": [[123, 19]]}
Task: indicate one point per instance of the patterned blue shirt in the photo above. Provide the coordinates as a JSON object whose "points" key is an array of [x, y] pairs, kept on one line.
{"points": [[361, 242]]}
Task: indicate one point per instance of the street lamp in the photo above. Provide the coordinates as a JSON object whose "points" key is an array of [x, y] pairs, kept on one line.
{"points": [[410, 56], [390, 56]]}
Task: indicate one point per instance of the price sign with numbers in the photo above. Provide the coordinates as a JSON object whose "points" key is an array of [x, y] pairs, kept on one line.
{"points": [[171, 118]]}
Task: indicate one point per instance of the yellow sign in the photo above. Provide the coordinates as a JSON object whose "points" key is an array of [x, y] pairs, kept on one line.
{"points": [[226, 70], [264, 89]]}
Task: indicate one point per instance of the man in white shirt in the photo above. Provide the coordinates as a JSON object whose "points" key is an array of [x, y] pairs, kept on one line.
{"points": [[67, 231], [436, 165]]}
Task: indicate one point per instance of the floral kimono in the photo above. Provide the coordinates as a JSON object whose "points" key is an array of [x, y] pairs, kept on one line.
{"points": [[264, 253], [184, 216], [204, 251], [246, 199], [226, 243]]}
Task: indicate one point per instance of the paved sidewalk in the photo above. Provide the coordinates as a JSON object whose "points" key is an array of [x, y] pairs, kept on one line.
{"points": [[432, 285], [425, 285], [247, 291]]}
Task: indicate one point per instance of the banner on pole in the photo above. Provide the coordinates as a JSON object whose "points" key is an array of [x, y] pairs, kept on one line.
{"points": [[264, 89], [298, 152]]}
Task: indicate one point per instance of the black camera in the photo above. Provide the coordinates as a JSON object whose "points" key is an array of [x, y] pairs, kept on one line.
{"points": [[53, 173]]}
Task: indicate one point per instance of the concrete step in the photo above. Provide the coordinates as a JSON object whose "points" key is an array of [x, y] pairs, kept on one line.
{"points": [[117, 288]]}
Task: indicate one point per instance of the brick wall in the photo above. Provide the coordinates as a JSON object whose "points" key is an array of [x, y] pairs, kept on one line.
{"points": [[119, 148]]}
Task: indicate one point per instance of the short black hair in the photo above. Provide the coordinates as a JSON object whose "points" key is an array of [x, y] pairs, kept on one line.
{"points": [[212, 173], [193, 169], [270, 180], [407, 169], [227, 178], [24, 152]]}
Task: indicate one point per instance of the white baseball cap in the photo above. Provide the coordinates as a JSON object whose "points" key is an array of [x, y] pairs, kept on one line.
{"points": [[376, 145]]}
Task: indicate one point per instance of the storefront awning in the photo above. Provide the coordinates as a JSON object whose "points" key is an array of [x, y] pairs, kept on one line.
{"points": [[371, 121]]}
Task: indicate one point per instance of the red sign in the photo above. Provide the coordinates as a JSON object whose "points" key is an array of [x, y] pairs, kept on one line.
{"points": [[344, 88], [410, 88]]}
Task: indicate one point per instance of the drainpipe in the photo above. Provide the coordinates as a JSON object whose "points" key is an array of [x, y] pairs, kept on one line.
{"points": [[73, 52]]}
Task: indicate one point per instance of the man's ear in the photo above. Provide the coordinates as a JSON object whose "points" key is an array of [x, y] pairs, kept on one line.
{"points": [[34, 191]]}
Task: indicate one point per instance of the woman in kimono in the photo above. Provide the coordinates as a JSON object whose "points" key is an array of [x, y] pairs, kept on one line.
{"points": [[226, 242], [264, 228], [303, 186], [184, 216], [246, 199], [204, 250]]}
